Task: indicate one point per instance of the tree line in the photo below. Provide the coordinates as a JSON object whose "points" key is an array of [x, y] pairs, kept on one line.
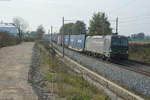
{"points": [[99, 25], [24, 34], [139, 37]]}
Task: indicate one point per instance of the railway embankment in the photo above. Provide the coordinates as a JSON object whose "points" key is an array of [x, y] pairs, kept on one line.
{"points": [[131, 80], [52, 79]]}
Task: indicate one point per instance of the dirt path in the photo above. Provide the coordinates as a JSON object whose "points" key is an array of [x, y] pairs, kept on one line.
{"points": [[14, 66]]}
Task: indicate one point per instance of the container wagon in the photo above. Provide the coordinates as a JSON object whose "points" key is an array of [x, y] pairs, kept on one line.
{"points": [[59, 40], [77, 42], [66, 40]]}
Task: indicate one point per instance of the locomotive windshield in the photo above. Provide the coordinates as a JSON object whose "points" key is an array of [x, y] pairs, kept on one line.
{"points": [[119, 41]]}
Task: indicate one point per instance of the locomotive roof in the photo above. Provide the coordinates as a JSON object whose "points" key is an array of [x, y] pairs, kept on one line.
{"points": [[100, 36], [95, 36]]}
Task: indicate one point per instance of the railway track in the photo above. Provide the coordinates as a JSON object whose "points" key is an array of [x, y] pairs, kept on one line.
{"points": [[120, 71], [138, 67], [133, 66], [97, 80]]}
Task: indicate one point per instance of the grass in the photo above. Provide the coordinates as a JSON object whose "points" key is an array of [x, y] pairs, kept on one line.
{"points": [[63, 82], [140, 40], [140, 52], [69, 85]]}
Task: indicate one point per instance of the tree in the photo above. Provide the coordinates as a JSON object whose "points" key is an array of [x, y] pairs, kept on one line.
{"points": [[32, 34], [21, 24], [99, 25], [147, 37], [39, 32], [139, 36], [67, 29], [79, 28]]}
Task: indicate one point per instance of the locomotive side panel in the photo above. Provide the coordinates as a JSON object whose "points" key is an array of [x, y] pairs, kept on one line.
{"points": [[95, 44], [107, 46]]}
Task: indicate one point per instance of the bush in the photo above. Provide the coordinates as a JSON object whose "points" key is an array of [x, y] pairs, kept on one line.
{"points": [[6, 39]]}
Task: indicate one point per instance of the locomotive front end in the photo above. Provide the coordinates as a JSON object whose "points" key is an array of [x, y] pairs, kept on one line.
{"points": [[119, 47]]}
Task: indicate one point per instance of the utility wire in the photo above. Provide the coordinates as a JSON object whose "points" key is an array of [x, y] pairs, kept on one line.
{"points": [[133, 20], [123, 6], [133, 17], [133, 23]]}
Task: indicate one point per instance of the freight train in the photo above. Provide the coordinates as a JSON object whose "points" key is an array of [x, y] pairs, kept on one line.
{"points": [[106, 47]]}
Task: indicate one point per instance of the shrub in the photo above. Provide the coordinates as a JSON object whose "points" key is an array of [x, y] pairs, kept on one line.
{"points": [[139, 52], [6, 39]]}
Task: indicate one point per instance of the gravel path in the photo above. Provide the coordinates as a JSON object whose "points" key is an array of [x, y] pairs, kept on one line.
{"points": [[15, 63]]}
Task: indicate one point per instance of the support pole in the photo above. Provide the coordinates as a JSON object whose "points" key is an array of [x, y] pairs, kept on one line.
{"points": [[117, 25], [103, 26], [51, 35], [63, 36]]}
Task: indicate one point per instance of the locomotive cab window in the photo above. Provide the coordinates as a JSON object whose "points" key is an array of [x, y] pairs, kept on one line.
{"points": [[124, 42], [119, 41]]}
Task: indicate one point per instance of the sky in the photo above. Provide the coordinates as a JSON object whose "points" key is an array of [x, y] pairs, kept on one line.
{"points": [[134, 15]]}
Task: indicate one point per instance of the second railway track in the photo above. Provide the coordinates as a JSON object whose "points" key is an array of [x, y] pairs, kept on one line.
{"points": [[133, 66]]}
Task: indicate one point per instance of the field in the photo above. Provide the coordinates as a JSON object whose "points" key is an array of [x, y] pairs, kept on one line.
{"points": [[139, 51], [139, 42], [63, 82]]}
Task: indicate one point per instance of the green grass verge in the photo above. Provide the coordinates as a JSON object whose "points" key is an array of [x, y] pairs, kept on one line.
{"points": [[63, 82]]}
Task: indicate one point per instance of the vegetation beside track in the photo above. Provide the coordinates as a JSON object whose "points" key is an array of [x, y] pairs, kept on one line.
{"points": [[7, 39], [62, 81], [140, 52]]}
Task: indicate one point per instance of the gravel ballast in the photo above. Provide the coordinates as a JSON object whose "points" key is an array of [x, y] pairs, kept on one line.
{"points": [[135, 81]]}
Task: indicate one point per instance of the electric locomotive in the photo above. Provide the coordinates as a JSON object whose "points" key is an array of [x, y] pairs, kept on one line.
{"points": [[108, 47]]}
